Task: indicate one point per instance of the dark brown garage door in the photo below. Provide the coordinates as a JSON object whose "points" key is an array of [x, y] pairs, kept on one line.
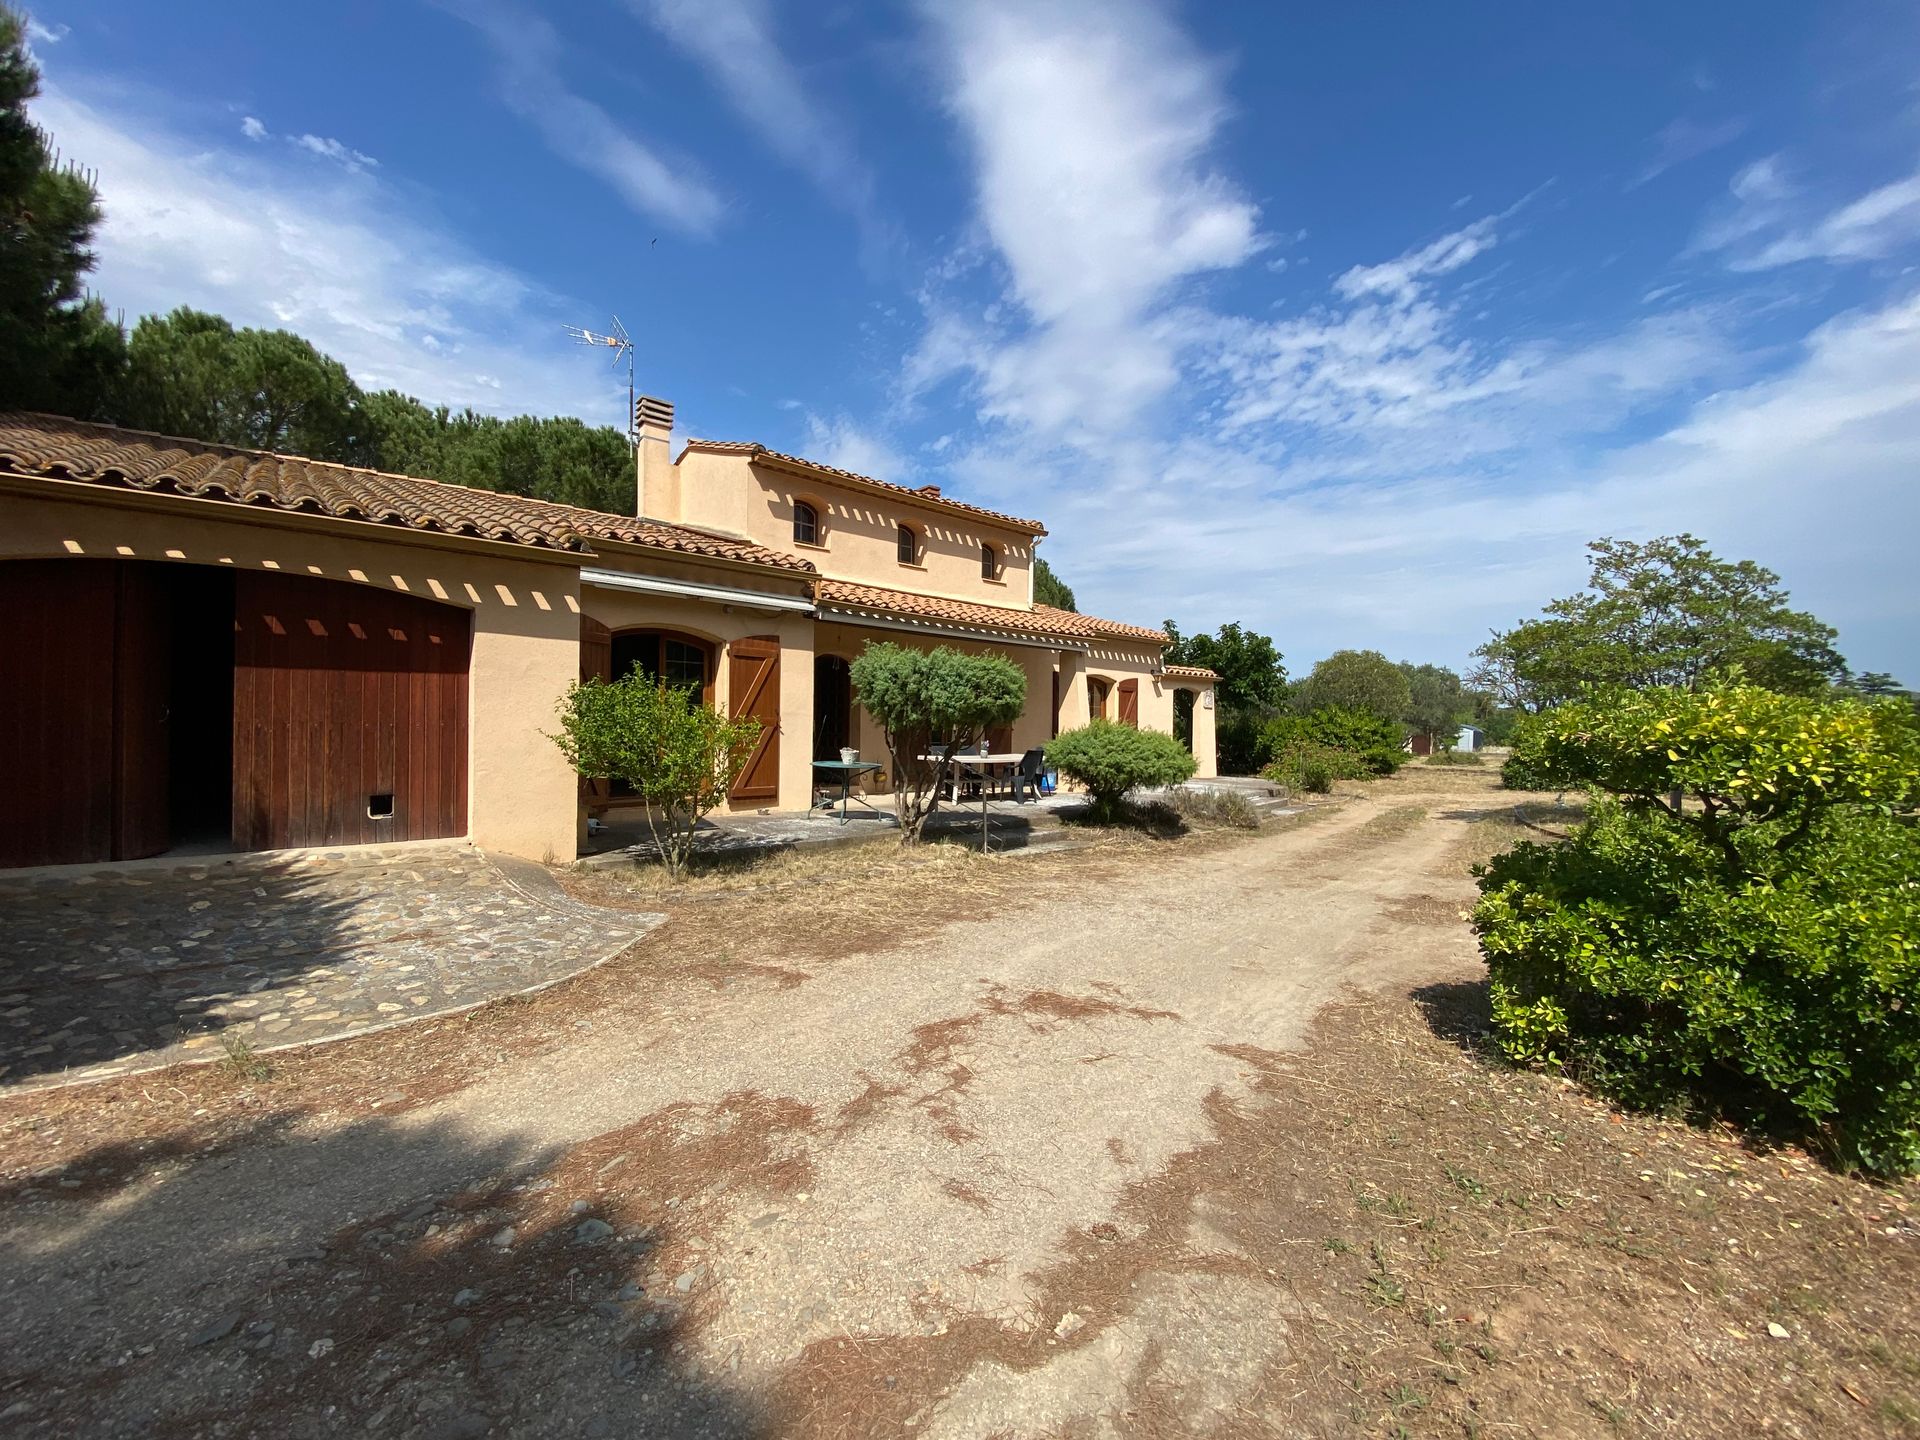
{"points": [[349, 714]]}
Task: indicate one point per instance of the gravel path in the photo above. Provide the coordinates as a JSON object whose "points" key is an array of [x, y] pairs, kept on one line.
{"points": [[908, 1149]]}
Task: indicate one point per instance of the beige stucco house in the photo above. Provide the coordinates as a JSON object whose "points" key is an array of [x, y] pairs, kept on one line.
{"points": [[226, 649]]}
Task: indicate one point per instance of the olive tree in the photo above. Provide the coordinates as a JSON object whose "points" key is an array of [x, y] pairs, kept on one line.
{"points": [[680, 756], [927, 698]]}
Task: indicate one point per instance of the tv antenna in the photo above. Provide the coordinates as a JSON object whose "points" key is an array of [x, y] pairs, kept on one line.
{"points": [[622, 346]]}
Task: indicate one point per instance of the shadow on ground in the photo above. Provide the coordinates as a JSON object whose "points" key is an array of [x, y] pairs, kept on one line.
{"points": [[511, 1290], [95, 966]]}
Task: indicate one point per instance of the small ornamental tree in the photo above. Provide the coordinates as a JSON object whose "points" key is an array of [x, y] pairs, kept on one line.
{"points": [[1112, 759], [1737, 926], [927, 698], [680, 756], [1371, 742]]}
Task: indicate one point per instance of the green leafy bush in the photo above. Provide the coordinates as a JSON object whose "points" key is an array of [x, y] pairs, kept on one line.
{"points": [[1754, 948], [1455, 757], [1111, 759], [679, 755], [1307, 766], [1240, 740], [1370, 740]]}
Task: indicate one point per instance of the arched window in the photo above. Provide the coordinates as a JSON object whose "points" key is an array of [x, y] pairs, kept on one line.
{"points": [[908, 544], [677, 660], [1097, 697], [989, 563], [806, 524]]}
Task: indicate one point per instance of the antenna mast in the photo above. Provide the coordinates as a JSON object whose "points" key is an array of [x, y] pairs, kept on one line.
{"points": [[622, 346]]}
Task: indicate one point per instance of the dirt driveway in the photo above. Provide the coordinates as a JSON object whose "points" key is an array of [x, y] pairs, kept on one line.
{"points": [[968, 1183]]}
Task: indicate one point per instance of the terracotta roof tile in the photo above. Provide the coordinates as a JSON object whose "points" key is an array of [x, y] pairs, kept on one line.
{"points": [[1190, 672], [51, 447], [925, 494], [1040, 620]]}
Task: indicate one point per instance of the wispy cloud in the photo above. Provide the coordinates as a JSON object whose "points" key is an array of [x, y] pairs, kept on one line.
{"points": [[529, 54], [345, 156], [253, 128], [346, 261], [1683, 140], [46, 34], [1091, 126], [1768, 221], [735, 43], [840, 440]]}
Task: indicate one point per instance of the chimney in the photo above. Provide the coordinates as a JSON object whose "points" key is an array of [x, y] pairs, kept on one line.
{"points": [[653, 432]]}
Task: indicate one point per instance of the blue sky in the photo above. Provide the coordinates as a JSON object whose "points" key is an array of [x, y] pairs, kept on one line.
{"points": [[1352, 323]]}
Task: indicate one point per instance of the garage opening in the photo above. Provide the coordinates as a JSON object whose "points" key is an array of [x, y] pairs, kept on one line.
{"points": [[157, 707]]}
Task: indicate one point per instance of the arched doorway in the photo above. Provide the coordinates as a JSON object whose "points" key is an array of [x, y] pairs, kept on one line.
{"points": [[832, 707], [1183, 718]]}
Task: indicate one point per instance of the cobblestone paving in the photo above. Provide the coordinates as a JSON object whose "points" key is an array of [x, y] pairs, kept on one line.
{"points": [[108, 971]]}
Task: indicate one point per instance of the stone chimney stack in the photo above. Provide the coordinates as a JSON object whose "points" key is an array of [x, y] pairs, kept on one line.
{"points": [[653, 425]]}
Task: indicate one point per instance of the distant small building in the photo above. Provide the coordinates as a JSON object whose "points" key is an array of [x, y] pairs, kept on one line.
{"points": [[1471, 738]]}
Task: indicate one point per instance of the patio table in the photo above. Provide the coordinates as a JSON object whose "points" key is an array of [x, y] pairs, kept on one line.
{"points": [[982, 763], [846, 770]]}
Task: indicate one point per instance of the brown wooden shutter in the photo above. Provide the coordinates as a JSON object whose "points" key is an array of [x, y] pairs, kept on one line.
{"points": [[753, 682], [596, 663], [1130, 703]]}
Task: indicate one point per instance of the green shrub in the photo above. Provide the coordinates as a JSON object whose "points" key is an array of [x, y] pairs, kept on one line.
{"points": [[1374, 742], [1111, 759], [1307, 766], [680, 756], [1737, 925], [1455, 757], [1239, 740]]}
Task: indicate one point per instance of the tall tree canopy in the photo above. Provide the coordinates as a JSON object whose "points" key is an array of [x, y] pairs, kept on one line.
{"points": [[190, 373], [1252, 677], [1437, 703], [1049, 588], [1660, 612], [1363, 680], [58, 349]]}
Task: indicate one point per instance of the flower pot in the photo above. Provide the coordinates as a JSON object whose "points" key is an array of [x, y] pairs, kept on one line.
{"points": [[847, 757]]}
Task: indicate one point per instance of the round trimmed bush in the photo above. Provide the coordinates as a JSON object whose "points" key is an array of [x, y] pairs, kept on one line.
{"points": [[1111, 759]]}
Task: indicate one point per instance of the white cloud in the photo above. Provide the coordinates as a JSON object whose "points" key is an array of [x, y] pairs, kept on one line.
{"points": [[1767, 224], [839, 440], [1686, 139], [1399, 280], [528, 50], [353, 161], [252, 128], [46, 34], [343, 260], [734, 42], [1090, 125]]}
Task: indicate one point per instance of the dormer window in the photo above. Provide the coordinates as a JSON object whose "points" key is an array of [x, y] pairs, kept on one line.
{"points": [[908, 544], [989, 563], [806, 524]]}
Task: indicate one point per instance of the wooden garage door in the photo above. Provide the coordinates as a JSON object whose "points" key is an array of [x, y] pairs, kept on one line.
{"points": [[753, 683], [56, 711], [347, 701]]}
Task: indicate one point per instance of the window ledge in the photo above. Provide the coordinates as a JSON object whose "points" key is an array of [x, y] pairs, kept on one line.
{"points": [[810, 544]]}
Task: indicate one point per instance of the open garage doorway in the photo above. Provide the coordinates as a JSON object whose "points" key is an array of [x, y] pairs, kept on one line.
{"points": [[154, 707]]}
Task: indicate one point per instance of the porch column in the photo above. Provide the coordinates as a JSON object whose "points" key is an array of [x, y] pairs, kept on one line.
{"points": [[1073, 690]]}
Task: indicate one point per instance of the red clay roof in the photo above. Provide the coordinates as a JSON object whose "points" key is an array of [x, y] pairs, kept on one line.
{"points": [[52, 447], [1041, 620], [924, 495], [1190, 672]]}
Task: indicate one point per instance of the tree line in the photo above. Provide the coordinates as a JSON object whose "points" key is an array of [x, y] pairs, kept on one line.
{"points": [[198, 376]]}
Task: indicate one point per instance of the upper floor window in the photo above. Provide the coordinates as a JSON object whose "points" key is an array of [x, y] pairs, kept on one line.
{"points": [[989, 563], [806, 524], [908, 545]]}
